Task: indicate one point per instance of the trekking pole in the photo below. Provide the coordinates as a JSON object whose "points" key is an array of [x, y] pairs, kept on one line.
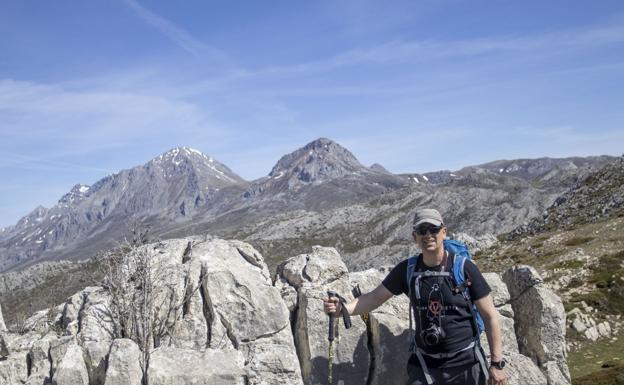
{"points": [[330, 338]]}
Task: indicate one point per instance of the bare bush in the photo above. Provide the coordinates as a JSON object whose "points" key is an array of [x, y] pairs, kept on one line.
{"points": [[147, 293]]}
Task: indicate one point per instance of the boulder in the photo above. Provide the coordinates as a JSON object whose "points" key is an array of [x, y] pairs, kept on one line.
{"points": [[4, 350], [14, 367], [58, 348], [72, 369], [124, 366], [520, 278], [175, 366], [96, 332], [324, 270], [245, 311], [521, 370], [388, 331], [3, 327], [39, 361], [540, 322], [500, 293]]}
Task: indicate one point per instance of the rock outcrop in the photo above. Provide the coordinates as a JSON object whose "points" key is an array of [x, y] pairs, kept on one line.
{"points": [[237, 325], [540, 323]]}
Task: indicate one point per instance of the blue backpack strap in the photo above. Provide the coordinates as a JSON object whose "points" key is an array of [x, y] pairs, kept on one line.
{"points": [[462, 254]]}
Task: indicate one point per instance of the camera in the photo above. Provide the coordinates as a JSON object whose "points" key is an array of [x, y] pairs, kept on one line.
{"points": [[433, 335]]}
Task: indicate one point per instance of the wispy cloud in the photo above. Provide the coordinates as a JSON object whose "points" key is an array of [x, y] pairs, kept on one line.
{"points": [[179, 36], [19, 161], [409, 51], [67, 122]]}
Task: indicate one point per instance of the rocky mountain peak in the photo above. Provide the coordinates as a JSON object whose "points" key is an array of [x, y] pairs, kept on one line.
{"points": [[77, 192], [379, 168], [180, 160], [179, 154], [318, 160]]}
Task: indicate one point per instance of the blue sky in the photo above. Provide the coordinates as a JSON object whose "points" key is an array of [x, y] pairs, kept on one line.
{"points": [[88, 88]]}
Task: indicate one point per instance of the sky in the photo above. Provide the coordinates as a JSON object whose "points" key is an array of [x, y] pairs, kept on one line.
{"points": [[89, 88]]}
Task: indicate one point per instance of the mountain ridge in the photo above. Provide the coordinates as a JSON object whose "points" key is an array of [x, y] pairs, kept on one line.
{"points": [[184, 191]]}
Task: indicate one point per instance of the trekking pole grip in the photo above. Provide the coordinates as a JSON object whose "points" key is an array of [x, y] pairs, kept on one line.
{"points": [[332, 316]]}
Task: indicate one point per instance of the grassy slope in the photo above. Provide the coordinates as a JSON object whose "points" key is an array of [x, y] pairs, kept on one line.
{"points": [[603, 288]]}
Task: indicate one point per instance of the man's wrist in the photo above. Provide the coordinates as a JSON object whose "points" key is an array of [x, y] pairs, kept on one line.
{"points": [[498, 364]]}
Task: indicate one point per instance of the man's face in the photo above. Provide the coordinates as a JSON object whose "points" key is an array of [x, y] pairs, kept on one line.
{"points": [[429, 237]]}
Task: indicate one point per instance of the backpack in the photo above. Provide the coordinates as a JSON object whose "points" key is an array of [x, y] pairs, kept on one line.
{"points": [[462, 254], [461, 284]]}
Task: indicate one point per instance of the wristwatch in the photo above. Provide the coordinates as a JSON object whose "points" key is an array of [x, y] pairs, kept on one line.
{"points": [[498, 364]]}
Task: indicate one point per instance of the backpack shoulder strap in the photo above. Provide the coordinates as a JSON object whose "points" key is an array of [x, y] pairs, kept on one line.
{"points": [[411, 267], [459, 261]]}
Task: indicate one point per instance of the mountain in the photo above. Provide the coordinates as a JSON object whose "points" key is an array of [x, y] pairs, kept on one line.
{"points": [[319, 193], [319, 161], [170, 188], [563, 171], [597, 197]]}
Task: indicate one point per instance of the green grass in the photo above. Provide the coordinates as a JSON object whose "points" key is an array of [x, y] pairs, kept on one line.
{"points": [[601, 363], [574, 264], [575, 241]]}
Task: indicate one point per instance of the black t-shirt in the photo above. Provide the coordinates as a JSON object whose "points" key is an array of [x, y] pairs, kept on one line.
{"points": [[441, 306]]}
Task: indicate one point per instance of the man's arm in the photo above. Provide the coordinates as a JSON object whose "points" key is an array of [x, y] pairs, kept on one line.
{"points": [[486, 307], [362, 304]]}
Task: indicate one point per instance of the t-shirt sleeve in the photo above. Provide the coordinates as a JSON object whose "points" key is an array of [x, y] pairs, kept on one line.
{"points": [[395, 280], [479, 287]]}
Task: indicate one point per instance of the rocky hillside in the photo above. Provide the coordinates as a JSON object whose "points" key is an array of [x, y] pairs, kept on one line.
{"points": [[578, 247], [223, 306], [596, 197]]}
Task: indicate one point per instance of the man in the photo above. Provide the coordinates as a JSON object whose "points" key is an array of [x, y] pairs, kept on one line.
{"points": [[446, 348]]}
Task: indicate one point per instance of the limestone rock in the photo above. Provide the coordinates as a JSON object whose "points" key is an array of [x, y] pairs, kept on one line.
{"points": [[96, 332], [500, 293], [124, 363], [388, 329], [324, 270], [4, 350], [521, 370], [3, 327], [520, 278], [540, 321], [58, 348], [72, 369], [14, 369], [510, 344], [38, 357], [245, 311], [174, 366]]}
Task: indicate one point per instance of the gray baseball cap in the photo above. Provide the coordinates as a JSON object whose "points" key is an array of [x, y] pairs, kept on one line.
{"points": [[427, 216]]}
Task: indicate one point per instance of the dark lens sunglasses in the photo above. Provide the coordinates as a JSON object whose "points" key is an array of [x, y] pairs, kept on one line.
{"points": [[422, 230]]}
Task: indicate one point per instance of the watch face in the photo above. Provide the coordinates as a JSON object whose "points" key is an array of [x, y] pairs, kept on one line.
{"points": [[498, 365]]}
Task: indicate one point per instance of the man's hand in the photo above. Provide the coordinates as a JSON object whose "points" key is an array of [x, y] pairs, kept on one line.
{"points": [[332, 305], [497, 377]]}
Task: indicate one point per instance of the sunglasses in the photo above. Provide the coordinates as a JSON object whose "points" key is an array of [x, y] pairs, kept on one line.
{"points": [[422, 230]]}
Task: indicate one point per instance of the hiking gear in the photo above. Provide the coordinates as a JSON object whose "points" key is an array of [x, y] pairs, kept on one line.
{"points": [[427, 216], [427, 228], [330, 337], [469, 374], [356, 291], [500, 365], [460, 284]]}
